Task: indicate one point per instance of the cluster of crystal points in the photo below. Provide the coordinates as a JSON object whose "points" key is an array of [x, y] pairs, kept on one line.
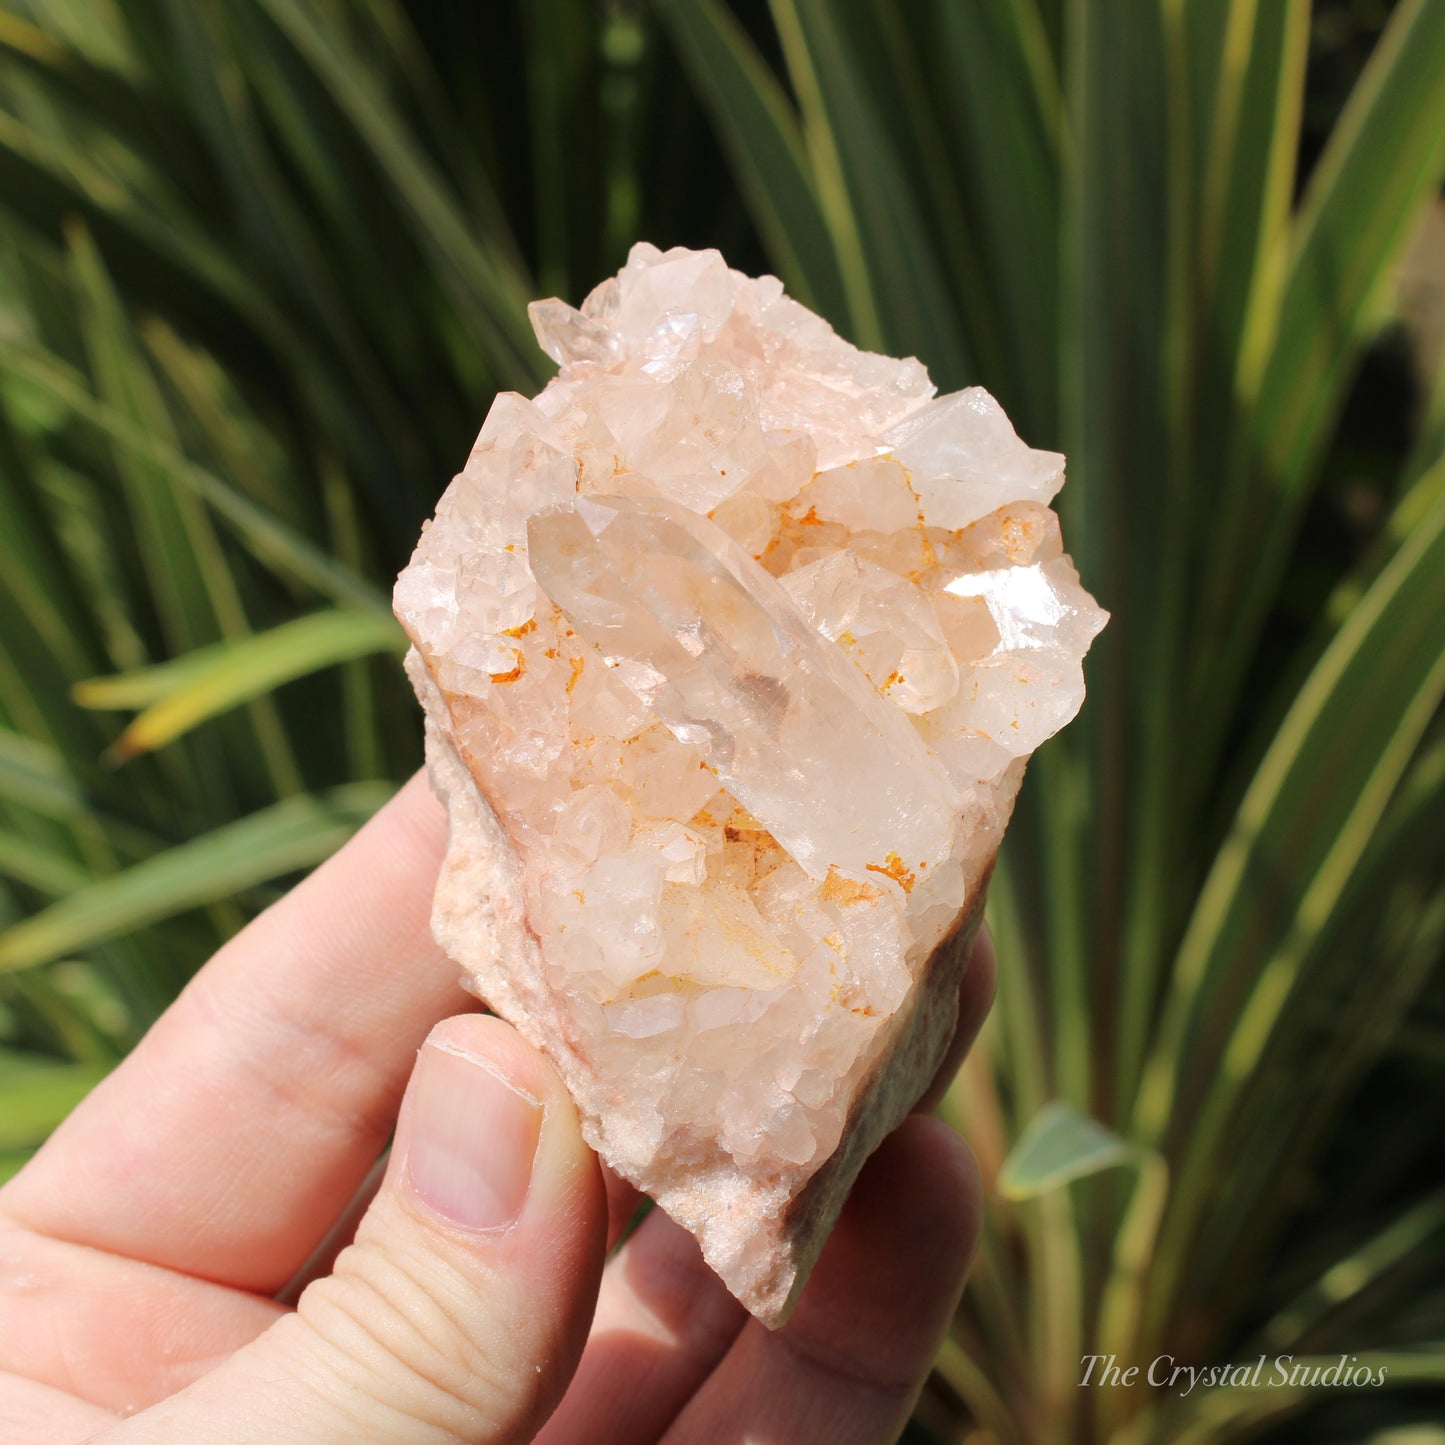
{"points": [[745, 637]]}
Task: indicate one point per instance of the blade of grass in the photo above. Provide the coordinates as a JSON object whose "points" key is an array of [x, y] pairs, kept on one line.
{"points": [[910, 122], [971, 1382], [1383, 162], [1003, 109], [187, 566], [1061, 1147], [38, 867], [1063, 810], [54, 1024], [1253, 135], [215, 47], [34, 774], [243, 450], [1115, 230], [34, 570], [166, 525], [1249, 113], [1156, 841], [1300, 1101], [468, 149], [1387, 642], [1018, 1006], [827, 170], [81, 519], [150, 214], [557, 58], [1234, 1410], [364, 747], [126, 188], [1430, 441], [1358, 1271]]}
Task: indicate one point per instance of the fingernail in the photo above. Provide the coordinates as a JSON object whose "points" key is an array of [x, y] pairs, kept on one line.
{"points": [[473, 1140]]}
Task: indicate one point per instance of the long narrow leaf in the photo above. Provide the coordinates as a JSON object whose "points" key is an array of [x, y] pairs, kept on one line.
{"points": [[1317, 795], [1305, 823], [273, 542], [899, 298], [181, 695], [491, 274], [1383, 164], [271, 844]]}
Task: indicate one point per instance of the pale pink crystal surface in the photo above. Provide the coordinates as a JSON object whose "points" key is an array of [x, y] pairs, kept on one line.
{"points": [[733, 645]]}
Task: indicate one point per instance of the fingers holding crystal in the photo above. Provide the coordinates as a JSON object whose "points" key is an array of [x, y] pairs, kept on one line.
{"points": [[975, 997], [285, 1059], [664, 1320], [848, 1367]]}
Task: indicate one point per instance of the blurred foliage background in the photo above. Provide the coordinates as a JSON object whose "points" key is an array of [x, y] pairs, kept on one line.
{"points": [[263, 264]]}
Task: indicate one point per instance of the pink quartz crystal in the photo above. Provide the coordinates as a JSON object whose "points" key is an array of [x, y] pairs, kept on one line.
{"points": [[733, 644]]}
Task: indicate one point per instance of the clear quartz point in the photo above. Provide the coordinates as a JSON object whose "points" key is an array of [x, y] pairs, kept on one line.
{"points": [[717, 650]]}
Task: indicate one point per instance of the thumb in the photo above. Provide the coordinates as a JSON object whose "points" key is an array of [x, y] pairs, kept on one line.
{"points": [[460, 1312]]}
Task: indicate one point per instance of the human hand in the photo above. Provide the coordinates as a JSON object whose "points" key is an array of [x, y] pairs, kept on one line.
{"points": [[143, 1250]]}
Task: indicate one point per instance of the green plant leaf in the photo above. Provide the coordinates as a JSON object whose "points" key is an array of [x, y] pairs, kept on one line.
{"points": [[757, 124], [271, 541], [1231, 1410], [1306, 823], [273, 843], [1311, 811], [1060, 1146], [1357, 1271], [36, 1093], [898, 295], [1383, 164], [41, 868], [490, 273], [178, 696], [1001, 109], [35, 776]]}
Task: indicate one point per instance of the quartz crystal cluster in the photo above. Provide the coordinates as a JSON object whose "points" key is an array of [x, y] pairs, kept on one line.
{"points": [[734, 642]]}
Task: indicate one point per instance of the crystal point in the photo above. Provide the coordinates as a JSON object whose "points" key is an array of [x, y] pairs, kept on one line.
{"points": [[716, 650]]}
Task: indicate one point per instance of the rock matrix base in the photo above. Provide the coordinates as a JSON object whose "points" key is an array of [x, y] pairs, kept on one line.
{"points": [[733, 644]]}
